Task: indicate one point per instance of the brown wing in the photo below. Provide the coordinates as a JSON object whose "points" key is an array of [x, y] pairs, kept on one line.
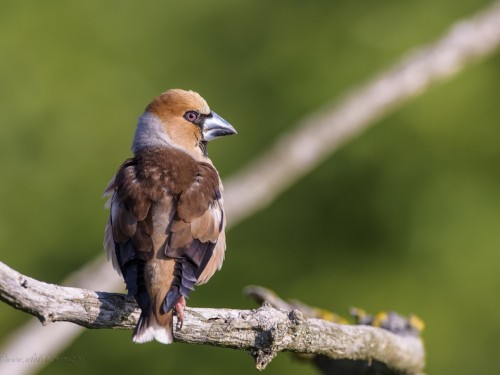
{"points": [[130, 232], [195, 239]]}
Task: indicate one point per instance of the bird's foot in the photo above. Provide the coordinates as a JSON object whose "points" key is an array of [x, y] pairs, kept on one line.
{"points": [[179, 311]]}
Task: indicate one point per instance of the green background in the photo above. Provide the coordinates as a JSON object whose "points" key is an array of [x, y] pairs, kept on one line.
{"points": [[404, 218]]}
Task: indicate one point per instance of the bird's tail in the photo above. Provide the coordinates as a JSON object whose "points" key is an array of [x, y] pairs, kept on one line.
{"points": [[151, 327]]}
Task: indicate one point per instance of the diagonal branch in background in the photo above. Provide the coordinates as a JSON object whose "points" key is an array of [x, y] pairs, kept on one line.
{"points": [[263, 332], [322, 133], [315, 137]]}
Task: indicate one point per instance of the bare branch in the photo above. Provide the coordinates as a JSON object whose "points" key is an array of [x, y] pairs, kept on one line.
{"points": [[28, 339], [263, 332]]}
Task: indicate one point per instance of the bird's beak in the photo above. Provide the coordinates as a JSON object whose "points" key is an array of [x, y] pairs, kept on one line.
{"points": [[215, 126]]}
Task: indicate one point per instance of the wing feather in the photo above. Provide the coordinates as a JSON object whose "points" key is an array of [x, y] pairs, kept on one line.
{"points": [[197, 230]]}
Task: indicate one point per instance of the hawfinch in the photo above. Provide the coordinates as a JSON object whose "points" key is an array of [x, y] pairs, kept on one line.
{"points": [[165, 232]]}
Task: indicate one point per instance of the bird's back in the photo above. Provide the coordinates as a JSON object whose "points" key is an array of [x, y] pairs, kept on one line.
{"points": [[166, 221]]}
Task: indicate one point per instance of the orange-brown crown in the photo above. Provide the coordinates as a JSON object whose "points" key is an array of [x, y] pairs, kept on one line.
{"points": [[176, 102]]}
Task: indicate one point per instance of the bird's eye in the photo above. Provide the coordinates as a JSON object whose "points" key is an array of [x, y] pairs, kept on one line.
{"points": [[191, 116]]}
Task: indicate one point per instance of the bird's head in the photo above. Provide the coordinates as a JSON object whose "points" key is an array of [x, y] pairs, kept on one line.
{"points": [[180, 119]]}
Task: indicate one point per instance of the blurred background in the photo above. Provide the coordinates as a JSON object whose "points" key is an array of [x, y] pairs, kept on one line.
{"points": [[403, 218]]}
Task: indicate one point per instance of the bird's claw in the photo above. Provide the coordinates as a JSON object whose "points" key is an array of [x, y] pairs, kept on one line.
{"points": [[179, 311], [180, 322]]}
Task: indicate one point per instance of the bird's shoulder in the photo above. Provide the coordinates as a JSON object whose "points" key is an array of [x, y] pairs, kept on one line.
{"points": [[154, 171]]}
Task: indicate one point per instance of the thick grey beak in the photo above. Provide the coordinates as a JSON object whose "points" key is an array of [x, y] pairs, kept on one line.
{"points": [[215, 126]]}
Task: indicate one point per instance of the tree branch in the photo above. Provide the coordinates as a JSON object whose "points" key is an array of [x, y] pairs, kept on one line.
{"points": [[263, 332]]}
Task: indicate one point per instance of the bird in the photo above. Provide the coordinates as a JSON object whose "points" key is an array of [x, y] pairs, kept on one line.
{"points": [[166, 227]]}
